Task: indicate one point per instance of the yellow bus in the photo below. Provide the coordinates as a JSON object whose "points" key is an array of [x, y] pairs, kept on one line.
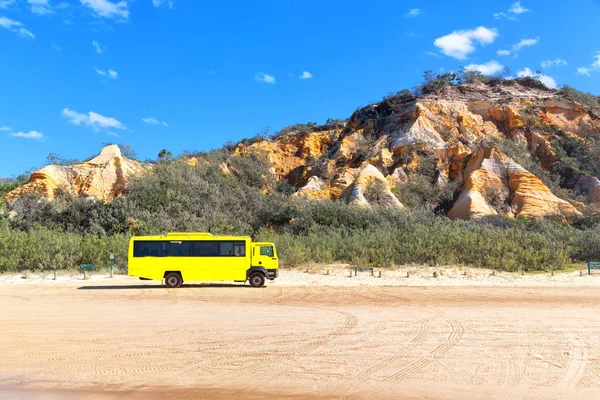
{"points": [[199, 256]]}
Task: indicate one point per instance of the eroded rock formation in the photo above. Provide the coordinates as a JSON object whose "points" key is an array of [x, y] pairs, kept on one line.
{"points": [[474, 141], [104, 177], [462, 130]]}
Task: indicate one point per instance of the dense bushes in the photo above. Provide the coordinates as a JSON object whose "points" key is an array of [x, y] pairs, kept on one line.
{"points": [[46, 249], [586, 99], [228, 194], [247, 200], [577, 156], [332, 232], [6, 187]]}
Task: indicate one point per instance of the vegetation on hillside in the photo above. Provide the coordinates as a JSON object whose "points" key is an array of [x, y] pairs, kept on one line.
{"points": [[68, 231], [229, 194]]}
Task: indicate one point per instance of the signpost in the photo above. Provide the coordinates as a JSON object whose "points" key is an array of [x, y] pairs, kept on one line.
{"points": [[111, 258]]}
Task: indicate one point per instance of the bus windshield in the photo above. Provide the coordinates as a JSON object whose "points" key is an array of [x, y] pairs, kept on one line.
{"points": [[266, 251]]}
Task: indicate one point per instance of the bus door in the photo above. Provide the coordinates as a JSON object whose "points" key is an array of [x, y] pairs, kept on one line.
{"points": [[263, 255]]}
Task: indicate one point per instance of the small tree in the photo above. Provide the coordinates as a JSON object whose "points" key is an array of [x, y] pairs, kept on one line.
{"points": [[57, 159], [165, 155]]}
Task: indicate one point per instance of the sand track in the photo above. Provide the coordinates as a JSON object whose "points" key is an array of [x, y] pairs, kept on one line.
{"points": [[130, 339]]}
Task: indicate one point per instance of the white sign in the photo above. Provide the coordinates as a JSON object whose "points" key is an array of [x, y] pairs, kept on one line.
{"points": [[111, 256]]}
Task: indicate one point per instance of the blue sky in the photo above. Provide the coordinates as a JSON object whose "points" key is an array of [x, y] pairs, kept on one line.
{"points": [[192, 75]]}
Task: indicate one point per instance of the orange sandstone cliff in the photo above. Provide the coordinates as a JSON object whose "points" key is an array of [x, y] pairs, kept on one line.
{"points": [[104, 177], [460, 138], [462, 128]]}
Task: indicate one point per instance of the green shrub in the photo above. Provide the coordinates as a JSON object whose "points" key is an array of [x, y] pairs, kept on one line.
{"points": [[587, 99], [43, 249], [433, 82]]}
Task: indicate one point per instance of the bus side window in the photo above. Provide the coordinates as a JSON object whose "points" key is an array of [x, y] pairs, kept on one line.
{"points": [[226, 249], [205, 249], [239, 249]]}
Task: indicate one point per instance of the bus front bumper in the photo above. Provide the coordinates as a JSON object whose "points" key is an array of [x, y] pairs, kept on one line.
{"points": [[272, 273]]}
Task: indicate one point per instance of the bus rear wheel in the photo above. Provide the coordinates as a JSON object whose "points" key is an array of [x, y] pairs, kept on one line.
{"points": [[257, 280], [173, 280]]}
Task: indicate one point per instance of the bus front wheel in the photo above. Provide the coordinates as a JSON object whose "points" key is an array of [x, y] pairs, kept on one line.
{"points": [[173, 280], [257, 280]]}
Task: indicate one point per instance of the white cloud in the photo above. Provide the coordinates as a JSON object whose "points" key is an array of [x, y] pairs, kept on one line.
{"points": [[40, 7], [559, 62], [107, 9], [432, 54], [266, 78], [29, 135], [95, 120], [525, 43], [459, 44], [26, 33], [489, 68], [592, 68], [111, 73], [517, 8], [545, 79], [596, 63], [415, 12], [9, 23], [501, 15], [5, 129], [154, 121], [5, 3], [158, 3], [305, 75], [99, 48], [517, 47], [15, 26]]}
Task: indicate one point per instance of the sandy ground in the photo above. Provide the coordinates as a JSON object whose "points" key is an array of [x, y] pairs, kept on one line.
{"points": [[304, 336]]}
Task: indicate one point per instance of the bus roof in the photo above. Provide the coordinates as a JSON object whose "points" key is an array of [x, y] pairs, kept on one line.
{"points": [[190, 235]]}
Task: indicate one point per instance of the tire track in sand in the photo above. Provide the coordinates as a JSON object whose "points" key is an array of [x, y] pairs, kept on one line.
{"points": [[577, 363], [423, 333], [456, 334]]}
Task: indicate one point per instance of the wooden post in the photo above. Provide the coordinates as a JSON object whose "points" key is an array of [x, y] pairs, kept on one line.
{"points": [[380, 274], [54, 274], [493, 273], [407, 274], [552, 273], [522, 273], [306, 270], [327, 273], [350, 273], [85, 275]]}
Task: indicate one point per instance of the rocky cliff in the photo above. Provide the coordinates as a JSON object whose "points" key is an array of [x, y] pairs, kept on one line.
{"points": [[104, 177], [457, 136], [510, 147]]}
